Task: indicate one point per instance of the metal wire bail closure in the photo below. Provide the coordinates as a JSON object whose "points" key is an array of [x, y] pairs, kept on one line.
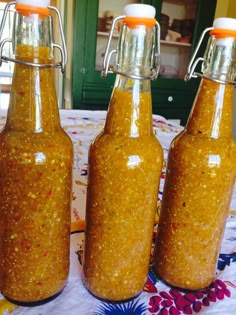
{"points": [[62, 50], [111, 68], [193, 63], [191, 73]]}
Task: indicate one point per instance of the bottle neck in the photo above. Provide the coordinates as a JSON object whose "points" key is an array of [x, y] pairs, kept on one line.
{"points": [[130, 109], [136, 52], [33, 30], [220, 59], [33, 102], [211, 115]]}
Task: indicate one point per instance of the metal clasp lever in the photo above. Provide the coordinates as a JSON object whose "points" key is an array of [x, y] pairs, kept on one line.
{"points": [[63, 50], [107, 56], [193, 63]]}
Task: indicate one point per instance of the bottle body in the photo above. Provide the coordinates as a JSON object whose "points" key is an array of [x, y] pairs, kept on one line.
{"points": [[198, 187], [35, 178], [125, 162]]}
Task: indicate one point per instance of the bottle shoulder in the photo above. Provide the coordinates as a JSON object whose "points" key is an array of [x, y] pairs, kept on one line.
{"points": [[189, 148], [198, 139], [119, 147], [113, 140], [32, 142]]}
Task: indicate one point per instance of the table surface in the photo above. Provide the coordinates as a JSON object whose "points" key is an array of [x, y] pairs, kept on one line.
{"points": [[156, 298]]}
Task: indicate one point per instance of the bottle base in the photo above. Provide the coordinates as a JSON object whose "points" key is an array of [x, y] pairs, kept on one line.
{"points": [[34, 303], [110, 301], [181, 287]]}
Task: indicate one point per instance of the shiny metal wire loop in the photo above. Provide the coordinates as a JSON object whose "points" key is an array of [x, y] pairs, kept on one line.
{"points": [[225, 82], [192, 64], [107, 55], [108, 68], [62, 50]]}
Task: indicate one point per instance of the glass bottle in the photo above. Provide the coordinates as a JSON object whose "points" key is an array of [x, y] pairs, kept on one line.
{"points": [[201, 172], [36, 158], [125, 161]]}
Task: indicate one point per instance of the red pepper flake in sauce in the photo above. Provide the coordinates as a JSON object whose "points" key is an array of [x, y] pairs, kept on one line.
{"points": [[39, 283], [17, 218], [21, 93]]}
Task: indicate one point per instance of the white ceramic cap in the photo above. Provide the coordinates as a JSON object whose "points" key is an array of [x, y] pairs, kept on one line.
{"points": [[36, 3], [140, 10], [225, 23]]}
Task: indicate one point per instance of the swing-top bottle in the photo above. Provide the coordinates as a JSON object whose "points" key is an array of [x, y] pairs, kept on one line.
{"points": [[125, 162], [201, 170], [36, 158]]}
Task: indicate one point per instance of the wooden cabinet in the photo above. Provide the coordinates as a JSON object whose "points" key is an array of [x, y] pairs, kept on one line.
{"points": [[172, 96]]}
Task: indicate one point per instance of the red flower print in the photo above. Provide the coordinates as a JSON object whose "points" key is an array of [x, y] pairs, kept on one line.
{"points": [[176, 302]]}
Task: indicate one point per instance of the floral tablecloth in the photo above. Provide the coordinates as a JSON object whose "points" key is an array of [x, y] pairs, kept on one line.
{"points": [[156, 298]]}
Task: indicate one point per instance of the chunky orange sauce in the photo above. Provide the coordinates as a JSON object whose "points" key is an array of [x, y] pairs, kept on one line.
{"points": [[36, 158], [200, 178], [125, 162]]}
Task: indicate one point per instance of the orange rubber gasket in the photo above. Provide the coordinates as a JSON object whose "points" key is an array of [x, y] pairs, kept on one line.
{"points": [[220, 33], [132, 21], [27, 10]]}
